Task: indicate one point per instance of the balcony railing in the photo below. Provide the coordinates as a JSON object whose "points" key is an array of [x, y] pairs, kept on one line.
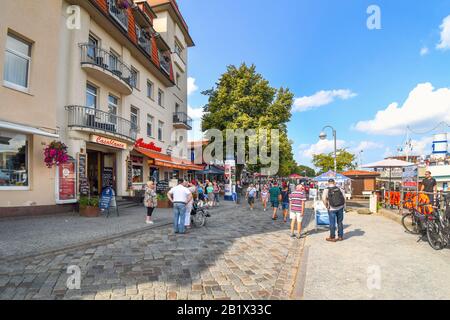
{"points": [[90, 118], [91, 54], [120, 15], [165, 65], [145, 44], [182, 118]]}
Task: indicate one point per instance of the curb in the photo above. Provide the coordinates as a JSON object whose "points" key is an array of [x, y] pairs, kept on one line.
{"points": [[390, 215], [85, 244]]}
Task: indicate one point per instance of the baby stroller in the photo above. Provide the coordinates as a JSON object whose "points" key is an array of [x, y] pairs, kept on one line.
{"points": [[198, 215]]}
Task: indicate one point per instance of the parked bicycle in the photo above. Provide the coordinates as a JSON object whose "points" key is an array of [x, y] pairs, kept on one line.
{"points": [[438, 226], [414, 221]]}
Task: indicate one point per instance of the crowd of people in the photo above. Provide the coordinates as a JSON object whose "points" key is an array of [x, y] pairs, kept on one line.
{"points": [[284, 197], [182, 197]]}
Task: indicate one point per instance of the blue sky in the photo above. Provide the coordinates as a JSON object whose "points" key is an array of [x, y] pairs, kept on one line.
{"points": [[341, 73]]}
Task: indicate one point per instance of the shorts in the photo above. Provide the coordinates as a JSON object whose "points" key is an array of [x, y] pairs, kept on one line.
{"points": [[251, 200], [275, 204], [285, 205], [296, 216]]}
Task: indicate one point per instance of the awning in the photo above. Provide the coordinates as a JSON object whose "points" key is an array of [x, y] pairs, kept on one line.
{"points": [[26, 129], [212, 170], [163, 160]]}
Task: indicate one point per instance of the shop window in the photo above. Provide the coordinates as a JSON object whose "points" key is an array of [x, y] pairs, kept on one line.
{"points": [[138, 174], [13, 160], [17, 63]]}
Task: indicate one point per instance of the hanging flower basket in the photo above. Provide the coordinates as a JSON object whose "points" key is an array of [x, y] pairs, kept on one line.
{"points": [[55, 154], [122, 4]]}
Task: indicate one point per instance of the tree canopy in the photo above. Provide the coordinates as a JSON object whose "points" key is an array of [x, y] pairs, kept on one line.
{"points": [[243, 99], [325, 162]]}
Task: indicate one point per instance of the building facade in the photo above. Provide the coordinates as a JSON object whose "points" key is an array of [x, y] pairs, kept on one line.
{"points": [[114, 78]]}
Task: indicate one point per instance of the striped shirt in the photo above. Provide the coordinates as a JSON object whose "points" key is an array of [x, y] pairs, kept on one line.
{"points": [[297, 199]]}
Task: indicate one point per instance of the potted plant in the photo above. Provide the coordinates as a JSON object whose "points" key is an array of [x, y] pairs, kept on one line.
{"points": [[89, 207], [163, 201], [122, 4]]}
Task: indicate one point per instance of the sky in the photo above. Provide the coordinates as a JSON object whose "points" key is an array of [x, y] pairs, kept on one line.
{"points": [[369, 84]]}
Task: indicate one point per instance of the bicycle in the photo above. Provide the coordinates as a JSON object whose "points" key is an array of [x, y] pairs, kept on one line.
{"points": [[414, 221], [438, 227], [199, 215]]}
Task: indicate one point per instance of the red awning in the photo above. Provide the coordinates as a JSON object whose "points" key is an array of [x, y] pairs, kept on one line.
{"points": [[163, 160]]}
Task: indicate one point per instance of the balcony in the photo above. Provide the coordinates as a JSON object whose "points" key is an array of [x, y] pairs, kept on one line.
{"points": [[107, 68], [94, 120], [120, 15], [164, 62], [182, 121]]}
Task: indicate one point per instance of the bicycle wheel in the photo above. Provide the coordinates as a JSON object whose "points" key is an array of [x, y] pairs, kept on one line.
{"points": [[410, 224], [434, 236], [199, 219]]}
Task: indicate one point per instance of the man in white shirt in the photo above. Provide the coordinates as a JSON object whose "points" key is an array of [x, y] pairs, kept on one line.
{"points": [[180, 196]]}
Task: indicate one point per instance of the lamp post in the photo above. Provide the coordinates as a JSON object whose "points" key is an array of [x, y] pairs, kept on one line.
{"points": [[323, 136]]}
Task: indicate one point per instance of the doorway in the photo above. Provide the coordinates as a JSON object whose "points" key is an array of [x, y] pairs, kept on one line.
{"points": [[101, 171]]}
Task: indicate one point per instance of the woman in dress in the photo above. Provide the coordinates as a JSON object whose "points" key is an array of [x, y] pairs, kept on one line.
{"points": [[265, 197], [150, 200]]}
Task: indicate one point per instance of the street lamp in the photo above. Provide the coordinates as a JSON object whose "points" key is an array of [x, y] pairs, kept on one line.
{"points": [[323, 136]]}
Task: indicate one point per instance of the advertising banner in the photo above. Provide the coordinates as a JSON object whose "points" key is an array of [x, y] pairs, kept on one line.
{"points": [[66, 183], [410, 178]]}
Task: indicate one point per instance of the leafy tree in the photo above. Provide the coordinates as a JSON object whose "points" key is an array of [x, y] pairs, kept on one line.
{"points": [[243, 99], [325, 162], [305, 171]]}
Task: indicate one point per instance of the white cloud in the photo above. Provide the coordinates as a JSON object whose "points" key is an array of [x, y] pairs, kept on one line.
{"points": [[367, 145], [424, 51], [195, 113], [191, 87], [321, 98], [422, 146], [445, 35], [424, 108], [322, 146]]}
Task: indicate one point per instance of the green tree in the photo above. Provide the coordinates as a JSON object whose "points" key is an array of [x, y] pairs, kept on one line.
{"points": [[243, 99], [325, 162], [305, 171]]}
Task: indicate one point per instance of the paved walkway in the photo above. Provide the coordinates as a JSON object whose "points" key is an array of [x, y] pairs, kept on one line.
{"points": [[238, 255], [374, 246]]}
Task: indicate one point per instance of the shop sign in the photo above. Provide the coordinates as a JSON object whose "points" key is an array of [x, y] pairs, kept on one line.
{"points": [[66, 183], [149, 146], [410, 177], [108, 142]]}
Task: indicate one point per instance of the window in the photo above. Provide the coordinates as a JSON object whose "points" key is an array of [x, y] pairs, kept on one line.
{"points": [[150, 87], [149, 126], [177, 79], [134, 78], [17, 63], [160, 130], [113, 61], [160, 98], [91, 96], [134, 116], [178, 48], [113, 103], [138, 174], [177, 108], [92, 47], [13, 160]]}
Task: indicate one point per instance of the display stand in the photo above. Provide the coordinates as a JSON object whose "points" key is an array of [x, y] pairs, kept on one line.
{"points": [[108, 201]]}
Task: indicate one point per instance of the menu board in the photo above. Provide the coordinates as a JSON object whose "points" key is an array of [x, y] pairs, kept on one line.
{"points": [[83, 182], [66, 183], [107, 177], [129, 174], [106, 198], [162, 186]]}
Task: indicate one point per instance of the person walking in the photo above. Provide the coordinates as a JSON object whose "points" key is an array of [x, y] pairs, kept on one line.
{"points": [[210, 194], [429, 186], [179, 196], [216, 191], [275, 195], [150, 200], [334, 199], [238, 191], [193, 190], [265, 197], [285, 201], [297, 200], [201, 195], [251, 195]]}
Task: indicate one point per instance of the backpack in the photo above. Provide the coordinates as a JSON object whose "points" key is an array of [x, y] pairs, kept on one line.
{"points": [[335, 197]]}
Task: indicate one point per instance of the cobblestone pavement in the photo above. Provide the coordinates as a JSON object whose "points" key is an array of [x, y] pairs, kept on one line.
{"points": [[378, 260], [238, 255], [31, 235]]}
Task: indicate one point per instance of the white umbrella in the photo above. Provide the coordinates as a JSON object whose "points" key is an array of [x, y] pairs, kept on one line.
{"points": [[389, 163]]}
